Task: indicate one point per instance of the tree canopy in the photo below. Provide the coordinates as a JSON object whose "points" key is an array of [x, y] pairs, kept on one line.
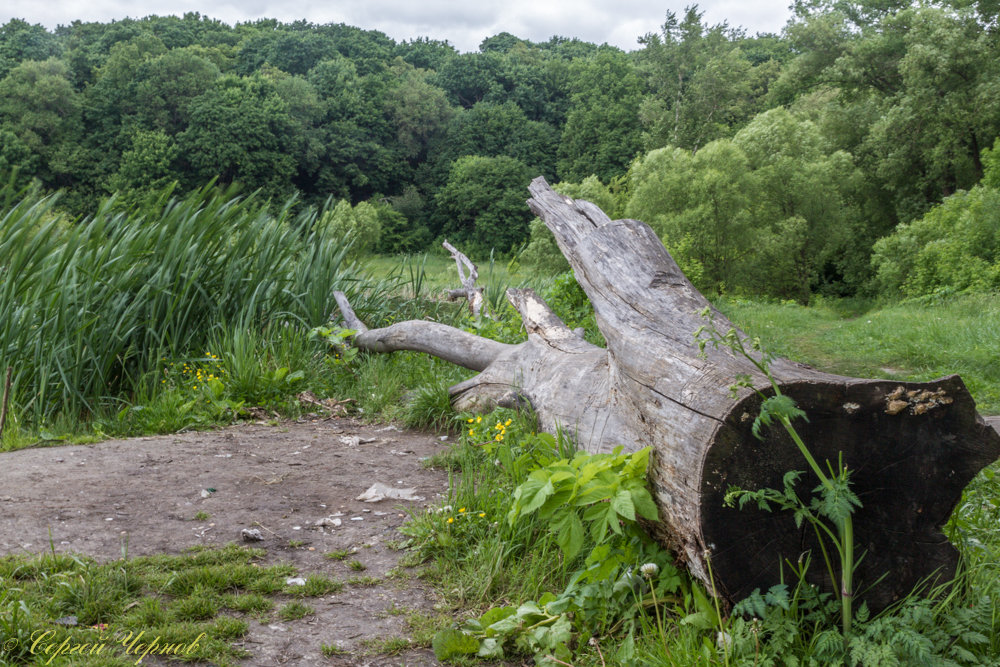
{"points": [[770, 163]]}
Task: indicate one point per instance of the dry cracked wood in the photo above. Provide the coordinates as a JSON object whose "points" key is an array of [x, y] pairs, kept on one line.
{"points": [[912, 447]]}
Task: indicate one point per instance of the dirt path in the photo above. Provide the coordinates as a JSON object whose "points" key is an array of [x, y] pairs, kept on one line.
{"points": [[146, 492]]}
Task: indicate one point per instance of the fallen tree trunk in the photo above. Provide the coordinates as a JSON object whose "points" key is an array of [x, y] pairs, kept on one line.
{"points": [[912, 447]]}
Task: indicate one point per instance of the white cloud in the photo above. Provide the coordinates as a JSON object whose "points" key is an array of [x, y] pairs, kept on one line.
{"points": [[464, 24]]}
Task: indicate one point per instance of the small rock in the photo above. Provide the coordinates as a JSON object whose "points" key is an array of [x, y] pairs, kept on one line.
{"points": [[295, 581], [252, 535], [328, 521]]}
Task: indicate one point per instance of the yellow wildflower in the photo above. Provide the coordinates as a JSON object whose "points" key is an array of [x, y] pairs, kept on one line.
{"points": [[482, 514], [451, 519], [461, 509], [479, 419]]}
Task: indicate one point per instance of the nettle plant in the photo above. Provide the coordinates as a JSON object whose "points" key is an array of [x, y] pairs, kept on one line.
{"points": [[830, 507], [339, 340]]}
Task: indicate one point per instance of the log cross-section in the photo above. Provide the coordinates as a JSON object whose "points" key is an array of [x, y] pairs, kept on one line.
{"points": [[911, 447]]}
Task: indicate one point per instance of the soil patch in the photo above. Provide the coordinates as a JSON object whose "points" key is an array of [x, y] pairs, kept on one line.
{"points": [[152, 495]]}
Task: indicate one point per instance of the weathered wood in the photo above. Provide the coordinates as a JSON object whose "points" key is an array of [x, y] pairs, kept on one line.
{"points": [[468, 290], [912, 447], [448, 343]]}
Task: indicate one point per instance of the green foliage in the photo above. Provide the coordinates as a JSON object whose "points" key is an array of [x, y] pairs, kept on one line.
{"points": [[359, 225], [490, 130], [241, 131], [768, 212], [602, 133], [940, 629], [954, 247], [604, 491], [89, 310], [700, 206], [419, 109], [706, 81], [589, 505], [146, 168], [39, 107], [877, 112], [429, 407], [402, 224], [483, 203], [570, 302]]}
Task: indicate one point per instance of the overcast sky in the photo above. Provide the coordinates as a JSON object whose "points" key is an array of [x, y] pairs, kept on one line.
{"points": [[464, 24]]}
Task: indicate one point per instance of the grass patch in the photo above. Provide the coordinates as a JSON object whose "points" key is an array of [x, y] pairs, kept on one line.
{"points": [[385, 646], [332, 650], [295, 610], [315, 586], [364, 581], [196, 600]]}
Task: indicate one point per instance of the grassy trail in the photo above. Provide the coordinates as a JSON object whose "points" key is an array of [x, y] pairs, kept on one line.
{"points": [[905, 341]]}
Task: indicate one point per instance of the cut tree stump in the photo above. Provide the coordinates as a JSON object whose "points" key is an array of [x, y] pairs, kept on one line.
{"points": [[912, 447]]}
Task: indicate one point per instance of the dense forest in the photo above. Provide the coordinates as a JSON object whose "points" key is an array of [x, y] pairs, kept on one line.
{"points": [[849, 154]]}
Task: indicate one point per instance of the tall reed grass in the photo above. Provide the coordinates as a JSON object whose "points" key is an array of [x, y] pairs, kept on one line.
{"points": [[88, 307]]}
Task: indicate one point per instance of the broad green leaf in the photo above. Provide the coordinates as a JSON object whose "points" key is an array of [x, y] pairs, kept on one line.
{"points": [[644, 504], [703, 604], [570, 534], [490, 649], [638, 463], [700, 620], [595, 493], [538, 499], [622, 504], [448, 644], [496, 614]]}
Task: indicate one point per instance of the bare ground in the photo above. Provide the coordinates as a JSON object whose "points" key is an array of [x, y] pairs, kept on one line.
{"points": [[144, 494]]}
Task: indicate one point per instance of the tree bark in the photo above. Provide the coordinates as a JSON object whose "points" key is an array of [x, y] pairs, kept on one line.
{"points": [[912, 447]]}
